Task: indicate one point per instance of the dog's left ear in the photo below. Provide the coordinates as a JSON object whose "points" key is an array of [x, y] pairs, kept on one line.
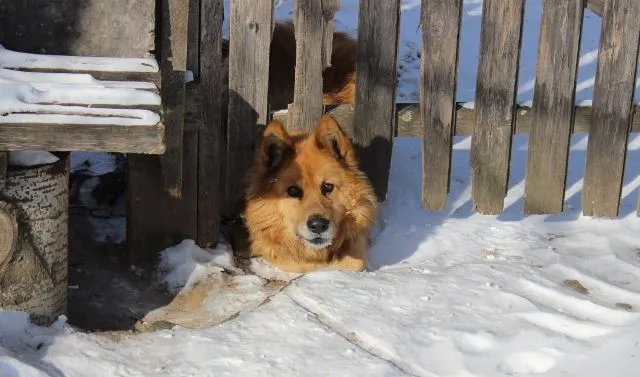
{"points": [[331, 138]]}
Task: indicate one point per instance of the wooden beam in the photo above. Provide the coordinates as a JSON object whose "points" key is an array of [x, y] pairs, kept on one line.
{"points": [[249, 45], [441, 31], [376, 77], [495, 103], [211, 137], [173, 63], [612, 108], [79, 137], [553, 101]]}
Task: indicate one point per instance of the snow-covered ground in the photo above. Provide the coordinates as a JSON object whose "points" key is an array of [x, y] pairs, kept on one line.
{"points": [[446, 294]]}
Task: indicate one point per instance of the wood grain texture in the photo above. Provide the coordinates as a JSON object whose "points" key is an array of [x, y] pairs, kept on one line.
{"points": [[249, 42], [612, 104], [210, 138], [596, 6], [441, 30], [173, 62], [329, 9], [553, 103], [79, 137], [495, 102], [378, 23], [33, 276], [309, 24]]}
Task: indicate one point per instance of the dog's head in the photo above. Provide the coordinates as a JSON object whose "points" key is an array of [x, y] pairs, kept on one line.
{"points": [[308, 188]]}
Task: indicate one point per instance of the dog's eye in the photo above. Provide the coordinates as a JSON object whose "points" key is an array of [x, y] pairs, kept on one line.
{"points": [[294, 192], [326, 188]]}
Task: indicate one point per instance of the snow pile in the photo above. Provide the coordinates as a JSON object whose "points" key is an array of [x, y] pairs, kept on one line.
{"points": [[184, 265], [31, 158]]}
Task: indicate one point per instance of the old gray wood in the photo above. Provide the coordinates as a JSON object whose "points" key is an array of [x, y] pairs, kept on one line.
{"points": [[249, 42], [79, 137], [329, 9], [441, 31], [210, 138], [553, 103], [378, 23], [495, 102], [173, 64], [309, 24], [596, 6], [118, 28], [612, 104]]}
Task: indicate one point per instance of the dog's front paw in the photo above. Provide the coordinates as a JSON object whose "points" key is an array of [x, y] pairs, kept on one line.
{"points": [[261, 267]]}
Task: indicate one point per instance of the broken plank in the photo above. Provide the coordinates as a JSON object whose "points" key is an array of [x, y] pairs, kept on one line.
{"points": [[553, 103], [612, 105], [249, 45], [495, 103], [441, 31], [378, 24]]}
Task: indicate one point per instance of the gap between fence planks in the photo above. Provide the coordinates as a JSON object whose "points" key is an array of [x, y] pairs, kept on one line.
{"points": [[378, 24], [612, 104], [210, 137], [495, 103], [553, 100], [249, 44], [596, 6], [440, 22]]}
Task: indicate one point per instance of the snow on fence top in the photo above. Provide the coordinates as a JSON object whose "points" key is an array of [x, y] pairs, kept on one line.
{"points": [[21, 60]]}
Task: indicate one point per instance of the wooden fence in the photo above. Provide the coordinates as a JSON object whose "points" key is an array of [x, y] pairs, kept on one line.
{"points": [[376, 119]]}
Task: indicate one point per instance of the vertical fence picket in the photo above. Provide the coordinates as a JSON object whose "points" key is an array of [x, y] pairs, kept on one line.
{"points": [[440, 36], [495, 102], [553, 104], [378, 24], [612, 108]]}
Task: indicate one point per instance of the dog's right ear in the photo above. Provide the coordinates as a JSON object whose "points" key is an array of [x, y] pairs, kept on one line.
{"points": [[275, 148]]}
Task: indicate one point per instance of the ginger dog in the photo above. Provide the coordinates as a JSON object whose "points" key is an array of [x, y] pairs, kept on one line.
{"points": [[308, 204]]}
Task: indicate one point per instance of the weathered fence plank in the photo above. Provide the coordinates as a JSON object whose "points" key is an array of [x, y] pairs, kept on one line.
{"points": [[495, 102], [440, 37], [375, 88], [193, 39], [596, 6], [310, 25], [212, 133], [553, 103], [612, 105], [249, 42], [173, 62]]}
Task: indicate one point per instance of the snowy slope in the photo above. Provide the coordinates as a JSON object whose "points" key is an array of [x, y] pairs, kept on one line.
{"points": [[447, 294]]}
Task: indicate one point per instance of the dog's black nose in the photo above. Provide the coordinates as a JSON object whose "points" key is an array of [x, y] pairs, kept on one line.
{"points": [[317, 224]]}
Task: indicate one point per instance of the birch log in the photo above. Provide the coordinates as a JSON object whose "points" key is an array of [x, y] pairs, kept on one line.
{"points": [[33, 240]]}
